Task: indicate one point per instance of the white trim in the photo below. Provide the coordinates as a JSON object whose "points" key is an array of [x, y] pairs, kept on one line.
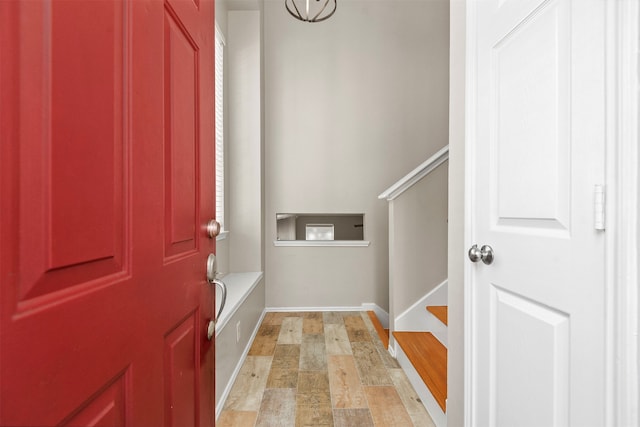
{"points": [[285, 216], [435, 412], [295, 309], [381, 314], [220, 140], [222, 236], [236, 371], [392, 350], [220, 34], [417, 318], [437, 328], [416, 175], [470, 346], [321, 243], [622, 212], [436, 296], [393, 262], [239, 287]]}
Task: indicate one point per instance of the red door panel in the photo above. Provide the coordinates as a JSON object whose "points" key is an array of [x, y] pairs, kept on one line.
{"points": [[181, 375], [181, 137], [106, 182], [72, 230], [106, 409]]}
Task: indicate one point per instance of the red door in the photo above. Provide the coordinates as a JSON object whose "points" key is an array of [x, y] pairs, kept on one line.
{"points": [[106, 182]]}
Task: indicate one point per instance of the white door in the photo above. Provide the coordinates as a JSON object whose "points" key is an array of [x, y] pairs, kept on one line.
{"points": [[536, 150]]}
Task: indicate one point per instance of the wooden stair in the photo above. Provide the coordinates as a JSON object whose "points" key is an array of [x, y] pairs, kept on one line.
{"points": [[440, 311], [429, 358], [382, 332]]}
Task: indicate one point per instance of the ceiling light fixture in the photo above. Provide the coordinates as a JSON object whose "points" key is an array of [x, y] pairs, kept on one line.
{"points": [[312, 12]]}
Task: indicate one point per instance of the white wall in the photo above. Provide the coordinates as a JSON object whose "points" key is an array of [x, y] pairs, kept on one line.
{"points": [[351, 105], [457, 251]]}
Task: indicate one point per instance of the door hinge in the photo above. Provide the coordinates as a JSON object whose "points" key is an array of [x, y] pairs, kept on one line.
{"points": [[599, 206]]}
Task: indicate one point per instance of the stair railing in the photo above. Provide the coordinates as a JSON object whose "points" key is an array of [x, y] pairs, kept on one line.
{"points": [[416, 175], [399, 242]]}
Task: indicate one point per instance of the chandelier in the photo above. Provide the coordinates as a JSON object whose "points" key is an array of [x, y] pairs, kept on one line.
{"points": [[321, 10]]}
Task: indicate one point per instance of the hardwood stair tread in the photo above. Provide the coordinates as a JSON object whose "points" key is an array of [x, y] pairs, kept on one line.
{"points": [[429, 358], [440, 311], [382, 332]]}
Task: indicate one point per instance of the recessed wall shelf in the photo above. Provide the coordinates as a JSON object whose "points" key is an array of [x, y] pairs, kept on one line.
{"points": [[327, 227], [322, 243]]}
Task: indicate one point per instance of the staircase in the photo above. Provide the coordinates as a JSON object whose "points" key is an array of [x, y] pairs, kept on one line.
{"points": [[427, 357], [417, 279], [423, 357], [440, 311]]}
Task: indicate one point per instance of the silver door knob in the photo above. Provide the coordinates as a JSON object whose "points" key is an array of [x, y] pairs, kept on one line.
{"points": [[213, 280], [485, 253], [213, 229], [474, 254]]}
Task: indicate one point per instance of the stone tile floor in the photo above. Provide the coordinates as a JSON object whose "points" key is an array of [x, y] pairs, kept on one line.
{"points": [[321, 369]]}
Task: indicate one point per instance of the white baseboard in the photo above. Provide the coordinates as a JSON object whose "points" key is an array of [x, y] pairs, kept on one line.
{"points": [[382, 315], [416, 317], [429, 402], [438, 329], [392, 351], [236, 371], [288, 309]]}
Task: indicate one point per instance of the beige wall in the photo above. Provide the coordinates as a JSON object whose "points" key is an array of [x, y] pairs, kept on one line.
{"points": [[419, 246], [351, 105], [242, 250], [244, 65], [221, 15], [457, 251]]}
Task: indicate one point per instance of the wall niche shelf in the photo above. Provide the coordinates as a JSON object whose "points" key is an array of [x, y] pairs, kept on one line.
{"points": [[324, 229]]}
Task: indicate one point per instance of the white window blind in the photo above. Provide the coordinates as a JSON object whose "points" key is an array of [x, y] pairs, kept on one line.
{"points": [[219, 94]]}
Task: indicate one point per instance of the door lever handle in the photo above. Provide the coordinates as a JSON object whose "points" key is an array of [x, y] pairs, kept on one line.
{"points": [[213, 280], [212, 268], [223, 287]]}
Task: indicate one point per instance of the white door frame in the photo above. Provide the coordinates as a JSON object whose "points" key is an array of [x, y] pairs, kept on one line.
{"points": [[623, 185], [622, 213]]}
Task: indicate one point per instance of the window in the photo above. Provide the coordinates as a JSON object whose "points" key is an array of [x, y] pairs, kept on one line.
{"points": [[219, 95]]}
